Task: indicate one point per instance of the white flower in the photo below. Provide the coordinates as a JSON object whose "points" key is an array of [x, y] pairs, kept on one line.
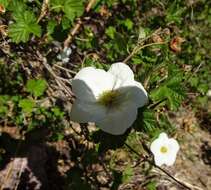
{"points": [[110, 99], [209, 93], [64, 56], [164, 150]]}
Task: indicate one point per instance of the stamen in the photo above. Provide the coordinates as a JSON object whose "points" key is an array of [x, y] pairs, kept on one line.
{"points": [[163, 149], [109, 98]]}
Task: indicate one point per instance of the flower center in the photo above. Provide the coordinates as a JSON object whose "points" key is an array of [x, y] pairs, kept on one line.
{"points": [[163, 149], [109, 98]]}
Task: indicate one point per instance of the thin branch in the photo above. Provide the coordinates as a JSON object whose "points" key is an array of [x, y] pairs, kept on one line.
{"points": [[43, 10], [9, 171], [73, 31], [57, 79], [65, 69], [137, 49], [161, 169], [152, 106]]}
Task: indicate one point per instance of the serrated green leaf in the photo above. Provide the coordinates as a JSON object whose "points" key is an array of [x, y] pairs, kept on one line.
{"points": [[26, 105], [36, 87], [151, 185], [3, 109], [149, 120], [110, 31], [172, 90], [203, 88], [24, 26], [127, 174], [5, 3], [50, 27], [17, 7], [71, 8], [127, 23], [194, 81]]}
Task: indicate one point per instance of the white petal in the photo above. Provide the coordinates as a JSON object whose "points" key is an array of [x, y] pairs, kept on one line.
{"points": [[135, 93], [121, 71], [118, 121], [170, 159], [82, 91], [83, 112], [163, 136], [159, 161], [91, 81], [156, 145], [173, 145]]}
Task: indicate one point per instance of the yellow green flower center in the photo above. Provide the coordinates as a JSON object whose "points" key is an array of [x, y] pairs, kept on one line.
{"points": [[109, 98], [163, 149]]}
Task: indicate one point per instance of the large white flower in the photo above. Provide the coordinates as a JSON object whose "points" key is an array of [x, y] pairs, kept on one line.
{"points": [[110, 99], [164, 150]]}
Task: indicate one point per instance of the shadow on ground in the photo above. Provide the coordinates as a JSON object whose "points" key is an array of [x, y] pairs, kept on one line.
{"points": [[35, 164]]}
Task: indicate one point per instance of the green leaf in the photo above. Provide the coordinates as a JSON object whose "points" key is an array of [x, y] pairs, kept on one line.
{"points": [[36, 87], [151, 185], [57, 112], [127, 174], [3, 104], [203, 88], [24, 26], [17, 7], [172, 90], [51, 26], [110, 32], [57, 5], [194, 81], [127, 23], [27, 105], [149, 120], [71, 8], [5, 3], [174, 13]]}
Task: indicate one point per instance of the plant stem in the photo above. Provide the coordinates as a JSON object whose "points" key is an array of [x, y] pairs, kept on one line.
{"points": [[73, 32], [137, 49], [161, 169]]}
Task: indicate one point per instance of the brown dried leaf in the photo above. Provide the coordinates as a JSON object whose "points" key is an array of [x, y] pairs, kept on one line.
{"points": [[2, 8], [157, 38], [104, 11], [176, 43]]}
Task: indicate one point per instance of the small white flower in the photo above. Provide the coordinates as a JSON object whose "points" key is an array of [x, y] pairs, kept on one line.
{"points": [[164, 150], [110, 99], [64, 56], [209, 93]]}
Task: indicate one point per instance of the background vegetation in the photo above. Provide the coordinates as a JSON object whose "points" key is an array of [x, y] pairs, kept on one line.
{"points": [[166, 43]]}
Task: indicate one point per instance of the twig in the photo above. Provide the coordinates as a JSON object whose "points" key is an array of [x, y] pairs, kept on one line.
{"points": [[146, 81], [9, 171], [156, 103], [64, 80], [65, 69], [43, 10], [139, 44], [57, 79], [197, 69], [19, 176], [78, 25], [138, 48]]}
